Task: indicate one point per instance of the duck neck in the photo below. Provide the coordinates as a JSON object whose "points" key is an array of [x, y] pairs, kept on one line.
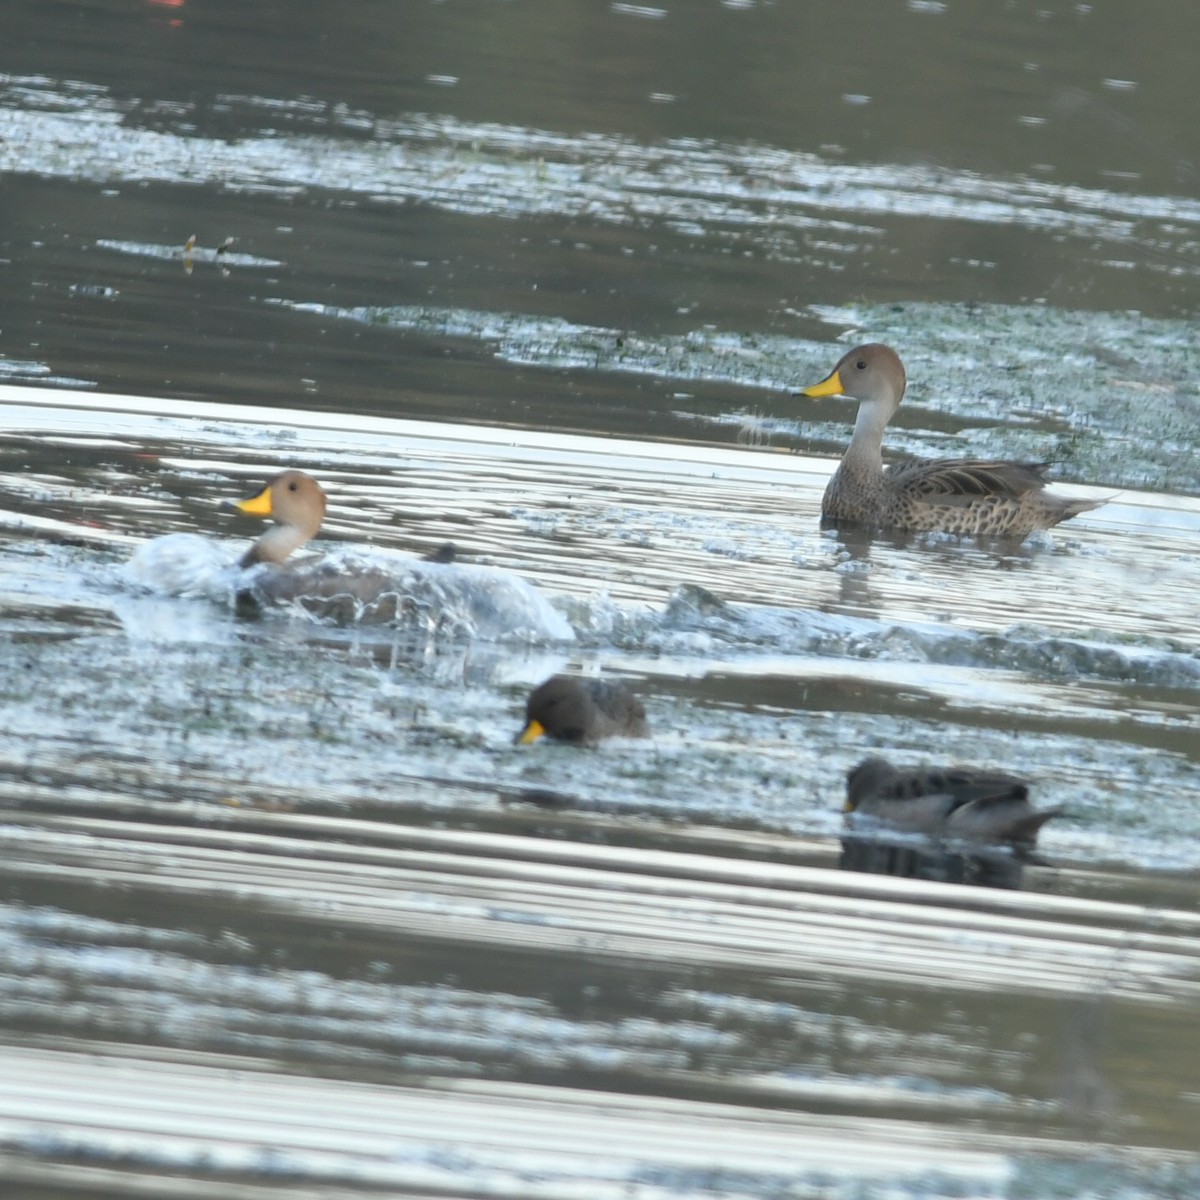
{"points": [[275, 545], [864, 455]]}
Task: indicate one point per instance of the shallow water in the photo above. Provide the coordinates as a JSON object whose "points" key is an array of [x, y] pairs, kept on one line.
{"points": [[284, 908]]}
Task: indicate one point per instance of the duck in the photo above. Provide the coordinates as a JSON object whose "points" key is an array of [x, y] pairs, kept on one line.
{"points": [[967, 803], [581, 711], [351, 584], [963, 496]]}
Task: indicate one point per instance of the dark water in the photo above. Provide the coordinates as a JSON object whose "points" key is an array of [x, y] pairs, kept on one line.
{"points": [[703, 167], [284, 911]]}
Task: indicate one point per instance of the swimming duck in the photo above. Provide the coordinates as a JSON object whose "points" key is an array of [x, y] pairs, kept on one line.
{"points": [[953, 495], [348, 584], [570, 709], [954, 802]]}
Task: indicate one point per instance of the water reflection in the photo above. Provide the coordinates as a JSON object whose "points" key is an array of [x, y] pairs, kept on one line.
{"points": [[876, 854]]}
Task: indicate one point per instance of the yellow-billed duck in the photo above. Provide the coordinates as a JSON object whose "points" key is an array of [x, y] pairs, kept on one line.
{"points": [[969, 496], [347, 584], [569, 709]]}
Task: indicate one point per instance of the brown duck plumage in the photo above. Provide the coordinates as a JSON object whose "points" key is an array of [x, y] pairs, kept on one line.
{"points": [[954, 802], [954, 495], [570, 709]]}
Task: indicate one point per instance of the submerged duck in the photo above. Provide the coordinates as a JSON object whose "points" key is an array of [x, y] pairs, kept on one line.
{"points": [[570, 709], [953, 802], [951, 495], [348, 584]]}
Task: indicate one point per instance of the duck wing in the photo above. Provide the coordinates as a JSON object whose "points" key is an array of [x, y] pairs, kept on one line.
{"points": [[624, 713], [962, 480], [963, 784]]}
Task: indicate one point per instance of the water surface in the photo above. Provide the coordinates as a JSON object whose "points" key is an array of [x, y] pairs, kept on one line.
{"points": [[284, 908]]}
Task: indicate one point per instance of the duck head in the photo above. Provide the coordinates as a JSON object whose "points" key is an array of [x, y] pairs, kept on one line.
{"points": [[296, 503], [871, 374]]}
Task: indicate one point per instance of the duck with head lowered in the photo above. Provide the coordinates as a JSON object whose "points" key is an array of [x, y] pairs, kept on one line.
{"points": [[962, 803], [347, 584], [968, 496], [581, 712]]}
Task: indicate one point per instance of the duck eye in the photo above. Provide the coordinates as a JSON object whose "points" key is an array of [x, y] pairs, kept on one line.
{"points": [[861, 364], [292, 486]]}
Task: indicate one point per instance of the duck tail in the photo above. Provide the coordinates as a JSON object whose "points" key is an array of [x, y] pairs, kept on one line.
{"points": [[1072, 508], [1027, 827], [1059, 508]]}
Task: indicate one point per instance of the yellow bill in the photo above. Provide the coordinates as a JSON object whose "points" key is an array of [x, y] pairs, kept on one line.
{"points": [[827, 387], [531, 733], [256, 506]]}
